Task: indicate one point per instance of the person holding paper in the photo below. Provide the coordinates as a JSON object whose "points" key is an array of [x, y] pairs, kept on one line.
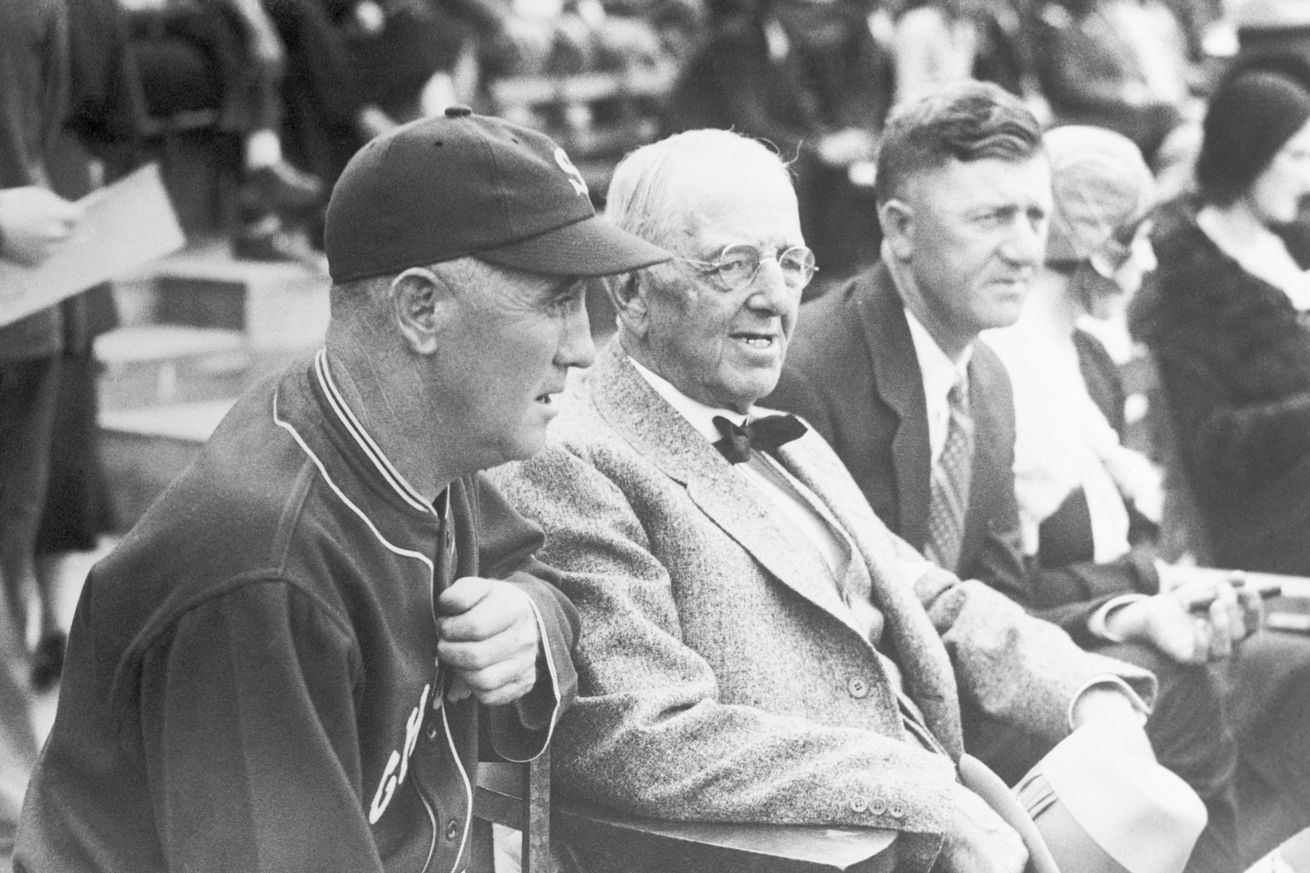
{"points": [[34, 222]]}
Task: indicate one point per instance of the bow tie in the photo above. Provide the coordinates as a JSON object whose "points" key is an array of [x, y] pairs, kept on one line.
{"points": [[762, 434]]}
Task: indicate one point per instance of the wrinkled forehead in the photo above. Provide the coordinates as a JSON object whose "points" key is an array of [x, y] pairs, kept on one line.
{"points": [[957, 185], [740, 208]]}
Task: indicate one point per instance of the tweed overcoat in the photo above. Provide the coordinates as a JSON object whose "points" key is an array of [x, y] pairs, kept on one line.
{"points": [[721, 676]]}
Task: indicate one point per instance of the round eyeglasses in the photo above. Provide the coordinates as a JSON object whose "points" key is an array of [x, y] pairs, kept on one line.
{"points": [[737, 265]]}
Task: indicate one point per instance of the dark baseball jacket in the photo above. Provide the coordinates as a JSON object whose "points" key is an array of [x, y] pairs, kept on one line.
{"points": [[251, 681]]}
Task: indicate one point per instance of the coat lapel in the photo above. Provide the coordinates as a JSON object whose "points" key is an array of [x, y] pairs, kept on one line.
{"points": [[925, 666], [660, 434], [900, 386]]}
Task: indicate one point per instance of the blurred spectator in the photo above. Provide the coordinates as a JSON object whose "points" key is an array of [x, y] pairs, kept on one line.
{"points": [[1083, 496], [538, 37], [34, 77], [1089, 504], [106, 108], [808, 77], [1195, 19], [1226, 321], [279, 78], [326, 117], [1105, 63], [405, 53], [1272, 27], [196, 56], [939, 41]]}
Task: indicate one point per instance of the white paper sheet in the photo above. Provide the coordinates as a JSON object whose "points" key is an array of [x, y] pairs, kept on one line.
{"points": [[125, 226]]}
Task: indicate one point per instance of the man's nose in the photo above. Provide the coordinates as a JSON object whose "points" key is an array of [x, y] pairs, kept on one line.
{"points": [[576, 348], [1026, 242], [769, 288]]}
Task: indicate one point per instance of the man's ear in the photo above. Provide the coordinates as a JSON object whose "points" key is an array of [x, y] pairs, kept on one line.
{"points": [[628, 292], [420, 302], [897, 219]]}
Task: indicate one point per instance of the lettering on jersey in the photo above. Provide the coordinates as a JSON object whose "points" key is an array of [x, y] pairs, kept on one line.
{"points": [[393, 775], [575, 176]]}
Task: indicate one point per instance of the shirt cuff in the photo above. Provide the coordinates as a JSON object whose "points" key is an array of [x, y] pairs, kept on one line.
{"points": [[1110, 681], [1097, 624]]}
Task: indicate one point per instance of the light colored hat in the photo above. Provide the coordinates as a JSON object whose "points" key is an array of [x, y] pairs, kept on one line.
{"points": [[1099, 183], [1102, 810]]}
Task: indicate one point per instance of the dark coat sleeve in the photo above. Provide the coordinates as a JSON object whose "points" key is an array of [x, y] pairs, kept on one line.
{"points": [[507, 544]]}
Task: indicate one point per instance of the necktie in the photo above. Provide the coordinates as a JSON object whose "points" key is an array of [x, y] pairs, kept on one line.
{"points": [[762, 434], [950, 483]]}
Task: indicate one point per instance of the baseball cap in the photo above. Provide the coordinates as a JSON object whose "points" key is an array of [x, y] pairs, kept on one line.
{"points": [[1100, 182], [461, 184]]}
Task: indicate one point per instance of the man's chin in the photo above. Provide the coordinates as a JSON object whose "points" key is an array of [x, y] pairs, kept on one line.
{"points": [[748, 392]]}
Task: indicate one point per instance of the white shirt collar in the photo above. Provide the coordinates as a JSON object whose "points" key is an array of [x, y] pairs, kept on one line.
{"points": [[698, 414], [940, 373]]}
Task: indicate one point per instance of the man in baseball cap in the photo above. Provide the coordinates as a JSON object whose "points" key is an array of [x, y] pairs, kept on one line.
{"points": [[286, 664], [465, 185]]}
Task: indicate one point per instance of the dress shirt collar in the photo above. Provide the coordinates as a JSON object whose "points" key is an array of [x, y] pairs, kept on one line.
{"points": [[700, 415], [940, 373]]}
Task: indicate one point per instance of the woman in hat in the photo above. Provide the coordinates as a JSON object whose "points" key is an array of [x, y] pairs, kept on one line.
{"points": [[1090, 505], [1227, 325], [1079, 490]]}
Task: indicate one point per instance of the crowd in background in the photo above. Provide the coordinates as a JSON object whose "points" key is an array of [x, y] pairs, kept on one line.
{"points": [[301, 84]]}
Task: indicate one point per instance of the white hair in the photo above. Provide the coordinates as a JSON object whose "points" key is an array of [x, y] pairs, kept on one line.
{"points": [[646, 195]]}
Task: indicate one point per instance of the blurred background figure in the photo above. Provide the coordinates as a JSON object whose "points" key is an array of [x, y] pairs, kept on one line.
{"points": [[536, 37], [808, 77], [1088, 503], [226, 58], [34, 223], [940, 41], [97, 142], [1083, 496], [1226, 324], [1120, 64]]}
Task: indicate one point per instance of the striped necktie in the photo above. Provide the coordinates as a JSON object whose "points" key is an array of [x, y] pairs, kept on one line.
{"points": [[950, 483]]}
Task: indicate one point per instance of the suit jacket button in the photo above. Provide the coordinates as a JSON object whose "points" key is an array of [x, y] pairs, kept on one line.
{"points": [[431, 732], [859, 804], [878, 807], [452, 829], [897, 809], [858, 687]]}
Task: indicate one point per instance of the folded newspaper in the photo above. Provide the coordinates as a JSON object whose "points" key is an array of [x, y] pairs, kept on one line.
{"points": [[125, 226]]}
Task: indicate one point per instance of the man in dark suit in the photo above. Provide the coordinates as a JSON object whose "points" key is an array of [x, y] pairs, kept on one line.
{"points": [[888, 368]]}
